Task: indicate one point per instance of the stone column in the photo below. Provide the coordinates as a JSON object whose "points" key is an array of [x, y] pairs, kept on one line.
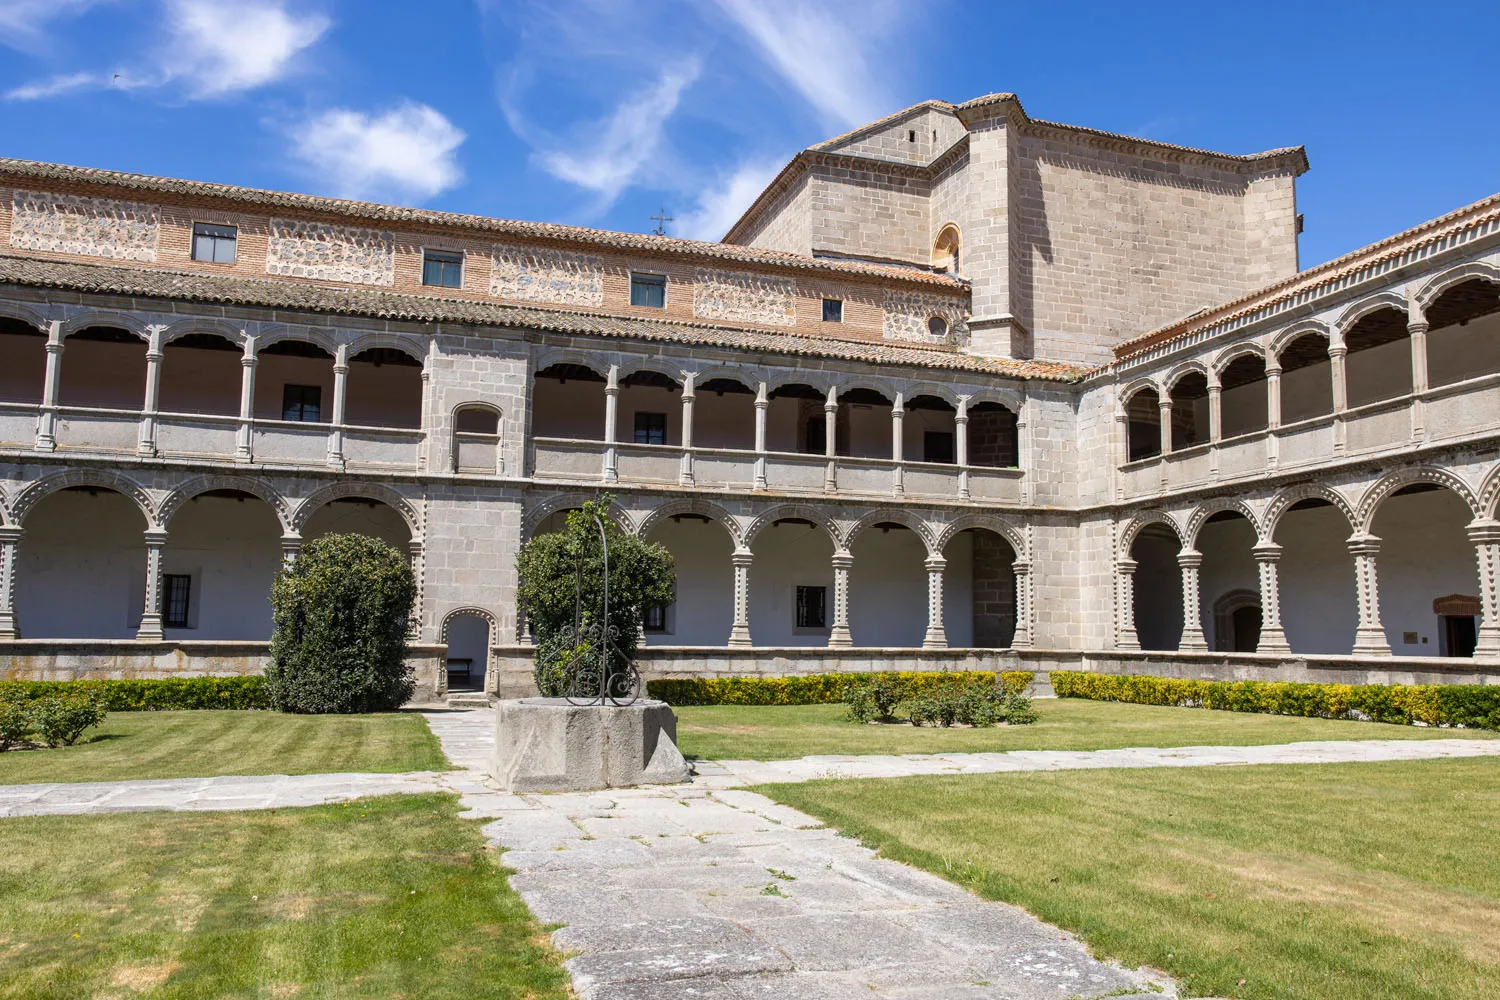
{"points": [[1272, 635], [611, 418], [1369, 638], [1336, 354], [340, 393], [46, 425], [146, 446], [898, 446], [685, 477], [1417, 329], [1164, 419], [424, 453], [1215, 422], [961, 446], [10, 540], [1273, 414], [1189, 561], [936, 637], [762, 404], [838, 634], [414, 623], [1125, 634], [739, 632], [830, 440], [151, 627], [1485, 534], [245, 436], [1022, 639]]}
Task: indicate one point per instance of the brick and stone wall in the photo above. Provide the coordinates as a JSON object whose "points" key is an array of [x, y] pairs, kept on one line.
{"points": [[907, 315], [301, 249], [90, 227], [740, 297], [536, 274]]}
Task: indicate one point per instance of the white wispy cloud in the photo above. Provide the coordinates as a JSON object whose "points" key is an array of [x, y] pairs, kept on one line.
{"points": [[408, 152], [609, 154], [211, 49], [721, 205], [24, 24], [820, 49]]}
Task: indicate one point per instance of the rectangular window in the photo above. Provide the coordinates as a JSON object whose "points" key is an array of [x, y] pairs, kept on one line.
{"points": [[302, 402], [812, 603], [176, 592], [655, 619], [833, 310], [650, 428], [937, 446], [214, 243], [443, 269], [649, 290]]}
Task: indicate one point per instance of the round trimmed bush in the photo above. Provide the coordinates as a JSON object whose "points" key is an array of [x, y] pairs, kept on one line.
{"points": [[341, 612]]}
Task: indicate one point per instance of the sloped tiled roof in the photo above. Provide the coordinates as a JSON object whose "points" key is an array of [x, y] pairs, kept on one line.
{"points": [[271, 293]]}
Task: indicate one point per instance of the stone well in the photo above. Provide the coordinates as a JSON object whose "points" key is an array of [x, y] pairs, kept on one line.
{"points": [[550, 745]]}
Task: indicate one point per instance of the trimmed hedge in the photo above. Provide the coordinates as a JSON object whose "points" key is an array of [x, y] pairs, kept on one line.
{"points": [[815, 689], [170, 694], [1469, 705]]}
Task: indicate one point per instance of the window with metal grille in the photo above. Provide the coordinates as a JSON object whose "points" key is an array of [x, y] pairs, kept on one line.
{"points": [[812, 604], [655, 619], [176, 595], [214, 243], [302, 402], [443, 268], [650, 428], [649, 290]]}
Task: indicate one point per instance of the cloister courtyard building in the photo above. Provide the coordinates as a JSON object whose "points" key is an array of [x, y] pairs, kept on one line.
{"points": [[961, 388]]}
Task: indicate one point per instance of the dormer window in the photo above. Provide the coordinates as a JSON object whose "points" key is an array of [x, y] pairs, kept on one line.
{"points": [[214, 244], [649, 290]]}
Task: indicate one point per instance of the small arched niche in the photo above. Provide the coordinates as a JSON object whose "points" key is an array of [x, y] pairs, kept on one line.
{"points": [[476, 438], [946, 249]]}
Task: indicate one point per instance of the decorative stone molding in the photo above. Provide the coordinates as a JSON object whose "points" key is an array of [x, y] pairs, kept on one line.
{"points": [[90, 227], [702, 508], [908, 313], [537, 274], [300, 249], [742, 297], [484, 613]]}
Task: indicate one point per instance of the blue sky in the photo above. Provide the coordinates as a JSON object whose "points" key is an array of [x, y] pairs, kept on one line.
{"points": [[596, 113]]}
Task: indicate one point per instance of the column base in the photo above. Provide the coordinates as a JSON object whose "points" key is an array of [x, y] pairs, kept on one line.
{"points": [[1193, 642], [740, 637], [46, 444], [1128, 641], [150, 630], [8, 626], [840, 636], [1371, 642], [1488, 646], [937, 640], [1273, 640]]}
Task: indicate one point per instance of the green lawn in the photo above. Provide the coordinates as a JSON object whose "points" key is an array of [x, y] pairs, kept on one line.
{"points": [[380, 898], [207, 743], [783, 732], [1310, 882]]}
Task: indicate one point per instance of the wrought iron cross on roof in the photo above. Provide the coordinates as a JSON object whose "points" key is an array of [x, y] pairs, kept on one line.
{"points": [[661, 219]]}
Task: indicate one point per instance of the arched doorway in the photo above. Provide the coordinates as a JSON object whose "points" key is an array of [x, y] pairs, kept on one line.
{"points": [[222, 554], [888, 587], [1157, 588], [979, 590], [81, 566], [1228, 583], [791, 584], [468, 636], [1315, 577], [703, 611], [1425, 556], [359, 516]]}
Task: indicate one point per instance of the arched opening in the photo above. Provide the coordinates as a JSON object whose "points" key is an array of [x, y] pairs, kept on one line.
{"points": [[104, 367], [929, 430], [1426, 556], [1142, 425], [1243, 403], [1463, 338], [795, 421], [476, 438], [23, 362], [650, 409], [1226, 540], [994, 439], [1315, 577], [888, 587], [946, 250], [1379, 362], [222, 554], [1189, 396], [724, 414], [791, 584], [867, 414], [294, 381], [200, 374], [384, 389], [359, 516], [81, 566], [1306, 379], [468, 651], [979, 590], [703, 611], [1157, 588], [567, 401]]}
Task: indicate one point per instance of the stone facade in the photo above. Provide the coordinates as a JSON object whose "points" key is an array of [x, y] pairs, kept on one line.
{"points": [[301, 249], [739, 297], [908, 317], [89, 227], [557, 277]]}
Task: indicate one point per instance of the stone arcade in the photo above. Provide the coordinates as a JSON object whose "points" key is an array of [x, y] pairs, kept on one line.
{"points": [[932, 402]]}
